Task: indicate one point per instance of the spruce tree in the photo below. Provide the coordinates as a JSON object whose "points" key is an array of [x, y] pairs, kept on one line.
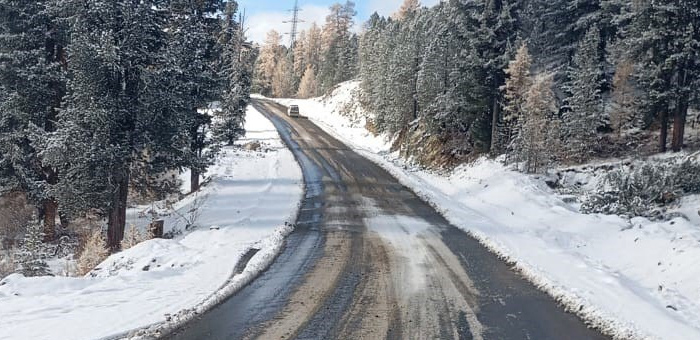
{"points": [[664, 38], [585, 101], [238, 62], [31, 256], [107, 123], [33, 81]]}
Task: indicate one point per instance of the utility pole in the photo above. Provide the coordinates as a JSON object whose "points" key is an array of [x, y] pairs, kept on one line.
{"points": [[295, 24]]}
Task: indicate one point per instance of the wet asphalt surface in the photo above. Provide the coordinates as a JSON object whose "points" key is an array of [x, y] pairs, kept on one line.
{"points": [[370, 260]]}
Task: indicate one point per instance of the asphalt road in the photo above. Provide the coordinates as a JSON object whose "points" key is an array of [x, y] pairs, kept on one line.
{"points": [[371, 260]]}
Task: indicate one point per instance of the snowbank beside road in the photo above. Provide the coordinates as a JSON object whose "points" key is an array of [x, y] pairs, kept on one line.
{"points": [[632, 279], [251, 196]]}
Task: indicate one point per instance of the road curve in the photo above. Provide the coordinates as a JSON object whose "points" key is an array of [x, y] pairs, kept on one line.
{"points": [[371, 260]]}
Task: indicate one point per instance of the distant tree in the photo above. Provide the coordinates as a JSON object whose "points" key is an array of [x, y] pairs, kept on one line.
{"points": [[308, 86], [270, 55], [283, 78], [339, 47], [407, 9]]}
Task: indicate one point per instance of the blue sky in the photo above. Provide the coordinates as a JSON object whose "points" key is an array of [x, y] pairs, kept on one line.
{"points": [[264, 15]]}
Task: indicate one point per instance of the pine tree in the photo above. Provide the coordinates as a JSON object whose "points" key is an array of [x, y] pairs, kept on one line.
{"points": [[193, 50], [585, 102], [669, 66], [238, 68], [33, 82], [108, 122], [31, 256]]}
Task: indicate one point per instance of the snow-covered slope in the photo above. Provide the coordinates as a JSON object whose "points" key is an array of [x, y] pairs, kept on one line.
{"points": [[251, 196], [633, 279]]}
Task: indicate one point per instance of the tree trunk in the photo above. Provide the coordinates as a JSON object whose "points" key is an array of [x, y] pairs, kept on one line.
{"points": [[494, 125], [117, 215], [194, 180], [49, 211], [664, 130], [679, 124]]}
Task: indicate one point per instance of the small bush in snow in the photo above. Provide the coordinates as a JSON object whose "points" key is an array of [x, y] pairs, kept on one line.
{"points": [[31, 258], [94, 252], [134, 236], [642, 190], [7, 263]]}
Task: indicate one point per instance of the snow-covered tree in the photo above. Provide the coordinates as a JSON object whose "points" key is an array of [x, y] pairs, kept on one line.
{"points": [[585, 102], [31, 256], [283, 78], [663, 36], [238, 63], [407, 9], [33, 81], [108, 122]]}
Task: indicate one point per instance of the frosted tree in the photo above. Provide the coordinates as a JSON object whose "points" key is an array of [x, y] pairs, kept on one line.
{"points": [[31, 256], [193, 51], [539, 107], [669, 66], [584, 102], [623, 111], [517, 84], [33, 67], [108, 119], [238, 61], [308, 86]]}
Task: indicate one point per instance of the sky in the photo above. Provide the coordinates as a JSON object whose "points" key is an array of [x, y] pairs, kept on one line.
{"points": [[265, 15]]}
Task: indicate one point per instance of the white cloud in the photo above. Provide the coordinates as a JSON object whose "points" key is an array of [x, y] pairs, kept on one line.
{"points": [[259, 24]]}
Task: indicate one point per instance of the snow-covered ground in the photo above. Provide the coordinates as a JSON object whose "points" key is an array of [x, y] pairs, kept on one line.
{"points": [[631, 278], [160, 282]]}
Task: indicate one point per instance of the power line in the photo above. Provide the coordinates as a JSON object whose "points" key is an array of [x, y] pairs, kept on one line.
{"points": [[295, 24]]}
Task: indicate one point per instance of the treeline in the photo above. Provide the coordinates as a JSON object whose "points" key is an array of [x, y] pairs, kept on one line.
{"points": [[539, 80], [102, 98], [321, 58]]}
